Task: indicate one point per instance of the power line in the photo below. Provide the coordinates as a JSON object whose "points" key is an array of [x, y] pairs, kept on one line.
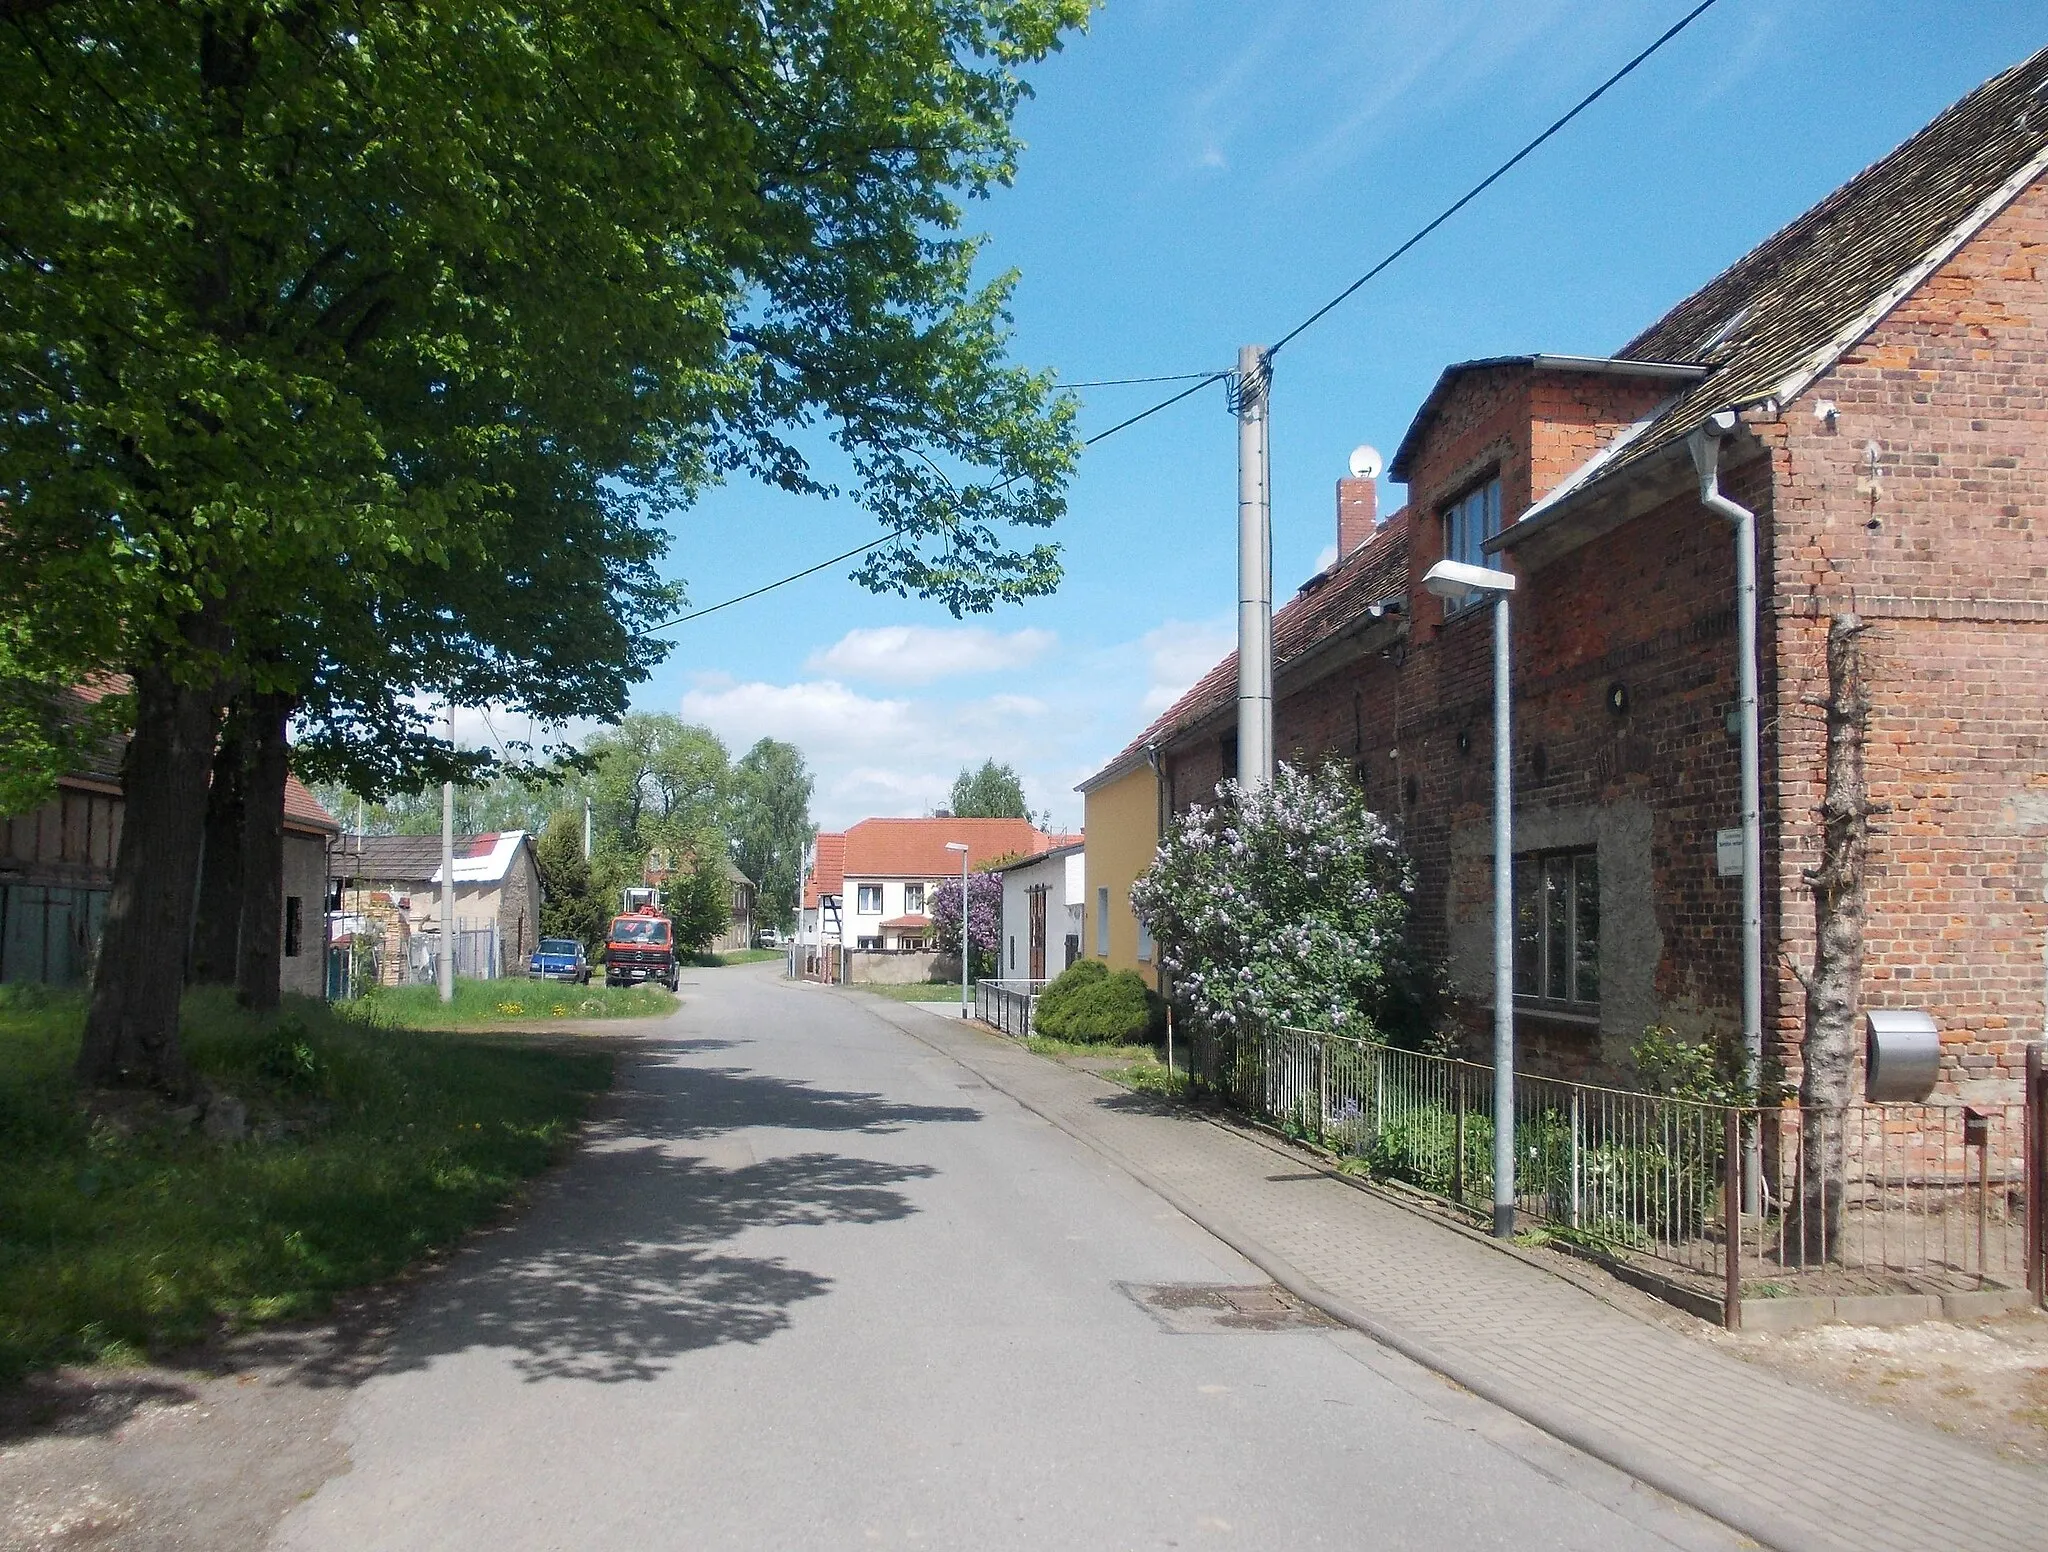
{"points": [[1200, 380], [1119, 382], [898, 532], [1497, 174]]}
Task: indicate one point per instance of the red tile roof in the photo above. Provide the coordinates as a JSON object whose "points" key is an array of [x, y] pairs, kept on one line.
{"points": [[1329, 603], [916, 848], [302, 811], [827, 876], [906, 923]]}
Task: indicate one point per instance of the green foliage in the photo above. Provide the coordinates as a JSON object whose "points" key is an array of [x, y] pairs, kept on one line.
{"points": [[1054, 996], [993, 792], [569, 908], [1284, 907], [700, 902], [771, 825], [1710, 1072], [1101, 1009], [480, 1004], [124, 1231]]}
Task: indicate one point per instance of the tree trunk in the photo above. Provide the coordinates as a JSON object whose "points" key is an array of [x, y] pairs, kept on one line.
{"points": [[216, 934], [1828, 1050], [131, 1021], [259, 965]]}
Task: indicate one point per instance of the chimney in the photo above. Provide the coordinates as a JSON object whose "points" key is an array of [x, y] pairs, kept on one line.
{"points": [[1357, 514]]}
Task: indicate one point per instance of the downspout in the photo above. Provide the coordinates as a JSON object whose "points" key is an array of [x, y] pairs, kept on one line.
{"points": [[1705, 446]]}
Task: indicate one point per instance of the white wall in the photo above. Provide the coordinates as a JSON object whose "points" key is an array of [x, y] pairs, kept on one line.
{"points": [[856, 924], [1064, 880]]}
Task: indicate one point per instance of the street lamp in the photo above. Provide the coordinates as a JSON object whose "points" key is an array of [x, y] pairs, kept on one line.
{"points": [[1455, 579], [961, 847]]}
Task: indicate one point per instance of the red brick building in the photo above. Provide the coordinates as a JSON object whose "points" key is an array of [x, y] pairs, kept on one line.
{"points": [[1886, 360]]}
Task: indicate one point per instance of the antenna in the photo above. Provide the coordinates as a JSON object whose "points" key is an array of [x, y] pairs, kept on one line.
{"points": [[1366, 462]]}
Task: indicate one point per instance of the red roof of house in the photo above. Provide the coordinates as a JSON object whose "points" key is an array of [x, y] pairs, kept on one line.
{"points": [[906, 923], [302, 811], [916, 848], [827, 876]]}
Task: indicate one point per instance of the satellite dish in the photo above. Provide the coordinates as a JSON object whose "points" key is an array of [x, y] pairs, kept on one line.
{"points": [[1366, 462]]}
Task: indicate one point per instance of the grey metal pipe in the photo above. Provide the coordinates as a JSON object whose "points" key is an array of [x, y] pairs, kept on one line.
{"points": [[1254, 575], [1503, 933], [447, 975], [1705, 446]]}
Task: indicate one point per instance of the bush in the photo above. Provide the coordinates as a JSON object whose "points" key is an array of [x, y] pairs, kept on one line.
{"points": [[1115, 1009], [1067, 985]]}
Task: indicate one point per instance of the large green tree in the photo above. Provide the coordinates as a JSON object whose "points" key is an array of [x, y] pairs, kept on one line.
{"points": [[334, 338], [993, 792], [771, 824]]}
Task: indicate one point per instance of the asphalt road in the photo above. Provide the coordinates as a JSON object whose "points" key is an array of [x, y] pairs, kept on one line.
{"points": [[814, 1286]]}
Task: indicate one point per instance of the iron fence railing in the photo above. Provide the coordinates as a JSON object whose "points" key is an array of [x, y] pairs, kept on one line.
{"points": [[1857, 1199], [1008, 1005]]}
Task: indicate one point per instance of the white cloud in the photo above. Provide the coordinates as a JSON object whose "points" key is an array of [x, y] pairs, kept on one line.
{"points": [[921, 654], [1177, 654], [880, 755]]}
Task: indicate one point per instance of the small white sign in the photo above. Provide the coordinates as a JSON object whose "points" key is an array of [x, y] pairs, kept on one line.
{"points": [[1728, 853]]}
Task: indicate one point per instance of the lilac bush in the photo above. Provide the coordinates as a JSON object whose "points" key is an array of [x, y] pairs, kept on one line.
{"points": [[984, 917], [1281, 907]]}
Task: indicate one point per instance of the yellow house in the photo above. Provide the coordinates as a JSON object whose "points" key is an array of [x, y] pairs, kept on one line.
{"points": [[1122, 829]]}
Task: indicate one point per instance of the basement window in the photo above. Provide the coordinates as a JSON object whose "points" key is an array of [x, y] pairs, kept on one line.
{"points": [[1557, 929]]}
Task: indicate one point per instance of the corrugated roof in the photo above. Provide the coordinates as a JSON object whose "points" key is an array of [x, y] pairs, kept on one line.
{"points": [[916, 848], [1329, 604], [1789, 307], [416, 859]]}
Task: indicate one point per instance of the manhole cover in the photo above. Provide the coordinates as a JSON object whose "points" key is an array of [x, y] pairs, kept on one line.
{"points": [[1208, 1309]]}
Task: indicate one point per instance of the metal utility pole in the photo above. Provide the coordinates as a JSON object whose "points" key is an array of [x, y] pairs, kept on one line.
{"points": [[1250, 390], [586, 829], [447, 975]]}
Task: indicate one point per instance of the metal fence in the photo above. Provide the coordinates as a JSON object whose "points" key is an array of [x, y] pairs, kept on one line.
{"points": [[1868, 1198], [1007, 1005]]}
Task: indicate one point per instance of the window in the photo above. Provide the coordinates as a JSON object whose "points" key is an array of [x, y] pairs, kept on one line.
{"points": [[867, 943], [294, 925], [1102, 919], [1013, 951], [1073, 949], [1557, 927], [913, 899], [1144, 942], [870, 901], [1468, 523]]}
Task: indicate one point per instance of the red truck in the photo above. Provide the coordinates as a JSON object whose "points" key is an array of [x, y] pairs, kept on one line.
{"points": [[641, 945]]}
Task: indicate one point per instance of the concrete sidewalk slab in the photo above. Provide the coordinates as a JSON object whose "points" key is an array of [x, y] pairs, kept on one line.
{"points": [[1788, 1466]]}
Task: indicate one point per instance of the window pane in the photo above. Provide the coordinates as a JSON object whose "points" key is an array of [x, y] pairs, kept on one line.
{"points": [[1586, 928], [1557, 879], [1528, 928]]}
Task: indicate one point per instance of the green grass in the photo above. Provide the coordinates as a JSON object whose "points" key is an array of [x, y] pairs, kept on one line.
{"points": [[480, 1004], [917, 991], [1132, 1055], [124, 1231], [751, 956]]}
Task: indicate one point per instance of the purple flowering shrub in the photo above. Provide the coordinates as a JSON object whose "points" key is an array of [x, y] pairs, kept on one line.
{"points": [[984, 918], [1281, 907]]}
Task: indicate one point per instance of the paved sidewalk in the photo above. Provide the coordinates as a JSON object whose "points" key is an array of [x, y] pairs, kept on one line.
{"points": [[1791, 1467]]}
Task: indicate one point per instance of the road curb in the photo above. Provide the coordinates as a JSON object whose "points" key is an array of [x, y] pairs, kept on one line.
{"points": [[1645, 1466]]}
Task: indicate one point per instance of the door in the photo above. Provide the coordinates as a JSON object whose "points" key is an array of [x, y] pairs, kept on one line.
{"points": [[1038, 934]]}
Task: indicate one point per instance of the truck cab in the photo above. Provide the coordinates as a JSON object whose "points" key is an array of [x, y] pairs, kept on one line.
{"points": [[641, 946]]}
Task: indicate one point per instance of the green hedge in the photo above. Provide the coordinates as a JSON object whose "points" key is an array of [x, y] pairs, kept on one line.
{"points": [[1089, 1006]]}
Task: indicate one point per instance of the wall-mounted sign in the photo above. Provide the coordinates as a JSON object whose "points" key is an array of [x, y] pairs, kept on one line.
{"points": [[1728, 853]]}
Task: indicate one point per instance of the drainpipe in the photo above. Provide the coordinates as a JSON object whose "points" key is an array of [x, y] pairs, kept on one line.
{"points": [[1705, 445]]}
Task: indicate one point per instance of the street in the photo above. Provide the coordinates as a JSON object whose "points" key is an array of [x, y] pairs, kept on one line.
{"points": [[812, 1284]]}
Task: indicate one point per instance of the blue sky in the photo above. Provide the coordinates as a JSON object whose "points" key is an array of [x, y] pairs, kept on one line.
{"points": [[1202, 175]]}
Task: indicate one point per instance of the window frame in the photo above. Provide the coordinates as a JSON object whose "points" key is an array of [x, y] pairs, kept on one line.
{"points": [[1482, 496], [1548, 925], [1102, 921], [913, 899], [860, 900]]}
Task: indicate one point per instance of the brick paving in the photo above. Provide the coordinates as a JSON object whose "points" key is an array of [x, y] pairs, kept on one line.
{"points": [[1789, 1466]]}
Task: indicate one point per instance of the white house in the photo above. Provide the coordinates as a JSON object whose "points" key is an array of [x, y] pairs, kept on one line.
{"points": [[892, 868], [1043, 902]]}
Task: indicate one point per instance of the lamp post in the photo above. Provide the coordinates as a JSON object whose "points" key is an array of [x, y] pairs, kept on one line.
{"points": [[1455, 579], [961, 847]]}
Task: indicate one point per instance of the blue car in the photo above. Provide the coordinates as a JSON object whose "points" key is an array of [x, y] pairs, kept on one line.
{"points": [[559, 959]]}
